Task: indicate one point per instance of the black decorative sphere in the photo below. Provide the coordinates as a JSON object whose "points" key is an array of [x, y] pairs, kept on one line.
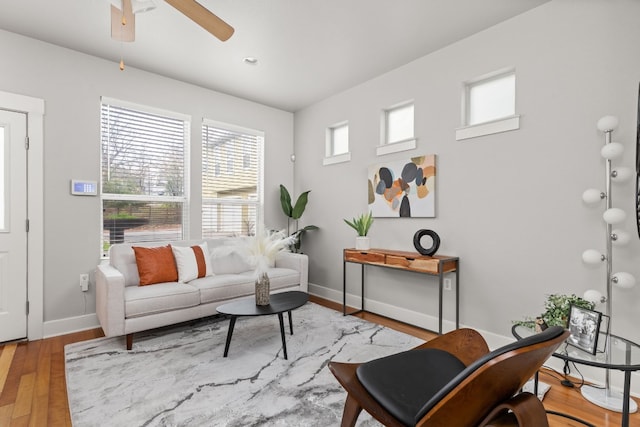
{"points": [[434, 247]]}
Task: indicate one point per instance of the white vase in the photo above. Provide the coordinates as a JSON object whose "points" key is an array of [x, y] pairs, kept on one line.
{"points": [[363, 243]]}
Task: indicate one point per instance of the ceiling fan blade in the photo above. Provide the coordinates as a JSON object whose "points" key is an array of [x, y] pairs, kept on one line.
{"points": [[120, 32], [203, 17]]}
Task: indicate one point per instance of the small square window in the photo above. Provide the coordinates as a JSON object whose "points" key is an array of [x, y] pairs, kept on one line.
{"points": [[337, 144], [399, 124], [396, 129], [491, 99], [489, 105], [339, 140]]}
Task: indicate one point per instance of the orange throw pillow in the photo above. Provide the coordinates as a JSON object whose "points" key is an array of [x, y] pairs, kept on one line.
{"points": [[155, 265]]}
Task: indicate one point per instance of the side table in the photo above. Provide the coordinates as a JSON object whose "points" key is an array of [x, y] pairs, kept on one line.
{"points": [[436, 265], [624, 356]]}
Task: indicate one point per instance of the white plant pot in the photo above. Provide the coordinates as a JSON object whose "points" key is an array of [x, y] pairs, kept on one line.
{"points": [[363, 243]]}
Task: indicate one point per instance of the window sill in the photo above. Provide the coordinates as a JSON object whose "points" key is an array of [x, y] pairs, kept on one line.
{"points": [[396, 147], [340, 158], [488, 128]]}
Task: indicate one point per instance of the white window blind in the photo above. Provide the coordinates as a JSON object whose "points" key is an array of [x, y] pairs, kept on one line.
{"points": [[144, 169], [231, 179]]}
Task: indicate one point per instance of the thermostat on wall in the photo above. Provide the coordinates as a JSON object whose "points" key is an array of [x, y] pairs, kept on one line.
{"points": [[84, 188]]}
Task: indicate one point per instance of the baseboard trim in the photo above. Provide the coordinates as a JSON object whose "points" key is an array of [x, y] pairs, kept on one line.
{"points": [[401, 314], [69, 325]]}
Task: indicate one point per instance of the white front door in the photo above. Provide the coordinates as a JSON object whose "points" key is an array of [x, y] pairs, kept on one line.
{"points": [[13, 226]]}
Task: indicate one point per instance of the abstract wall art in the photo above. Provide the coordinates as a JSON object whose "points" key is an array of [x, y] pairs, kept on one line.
{"points": [[403, 188]]}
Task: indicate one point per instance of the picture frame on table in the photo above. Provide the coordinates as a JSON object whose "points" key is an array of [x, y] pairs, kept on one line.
{"points": [[584, 325]]}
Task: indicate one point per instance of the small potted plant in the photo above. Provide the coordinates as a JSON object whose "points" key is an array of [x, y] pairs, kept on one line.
{"points": [[293, 213], [361, 224], [557, 307]]}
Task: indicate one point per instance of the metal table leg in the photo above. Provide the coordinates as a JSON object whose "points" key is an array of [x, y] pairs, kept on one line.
{"points": [[284, 341], [290, 322], [344, 288], [440, 287], [232, 324]]}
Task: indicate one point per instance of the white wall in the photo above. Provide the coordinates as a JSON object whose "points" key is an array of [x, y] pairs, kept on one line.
{"points": [[71, 84], [509, 205]]}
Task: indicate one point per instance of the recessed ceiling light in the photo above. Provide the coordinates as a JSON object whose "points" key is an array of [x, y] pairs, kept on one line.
{"points": [[250, 60]]}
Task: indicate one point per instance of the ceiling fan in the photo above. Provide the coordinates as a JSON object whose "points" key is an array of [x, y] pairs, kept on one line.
{"points": [[123, 14]]}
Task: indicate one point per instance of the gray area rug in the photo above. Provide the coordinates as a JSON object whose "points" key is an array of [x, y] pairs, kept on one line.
{"points": [[178, 377]]}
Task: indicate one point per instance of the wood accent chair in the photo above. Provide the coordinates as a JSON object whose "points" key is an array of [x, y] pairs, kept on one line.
{"points": [[452, 380]]}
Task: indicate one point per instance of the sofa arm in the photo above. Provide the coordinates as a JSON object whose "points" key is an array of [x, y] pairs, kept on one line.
{"points": [[298, 262], [110, 299]]}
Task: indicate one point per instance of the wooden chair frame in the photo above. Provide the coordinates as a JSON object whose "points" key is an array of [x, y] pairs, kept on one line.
{"points": [[488, 396]]}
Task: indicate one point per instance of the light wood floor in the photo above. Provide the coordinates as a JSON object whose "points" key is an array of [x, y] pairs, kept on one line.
{"points": [[33, 391]]}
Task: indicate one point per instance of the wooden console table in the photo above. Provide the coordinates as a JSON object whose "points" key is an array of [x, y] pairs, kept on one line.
{"points": [[436, 265]]}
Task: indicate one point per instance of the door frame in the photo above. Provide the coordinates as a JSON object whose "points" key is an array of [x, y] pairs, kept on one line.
{"points": [[34, 109]]}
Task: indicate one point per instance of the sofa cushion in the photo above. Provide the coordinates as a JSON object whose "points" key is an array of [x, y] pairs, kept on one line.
{"points": [[222, 287], [192, 262], [142, 301], [155, 265], [226, 260]]}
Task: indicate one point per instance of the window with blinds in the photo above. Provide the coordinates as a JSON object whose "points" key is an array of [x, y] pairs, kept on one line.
{"points": [[144, 169], [231, 179]]}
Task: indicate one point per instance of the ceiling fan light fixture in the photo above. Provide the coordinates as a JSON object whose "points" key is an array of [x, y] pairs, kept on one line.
{"points": [[141, 6]]}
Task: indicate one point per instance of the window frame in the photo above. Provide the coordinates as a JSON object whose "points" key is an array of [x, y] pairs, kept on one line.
{"points": [[386, 146], [184, 199], [489, 127], [330, 155], [258, 203]]}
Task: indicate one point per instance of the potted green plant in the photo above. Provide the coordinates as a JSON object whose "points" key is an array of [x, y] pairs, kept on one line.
{"points": [[557, 307], [362, 224], [293, 213]]}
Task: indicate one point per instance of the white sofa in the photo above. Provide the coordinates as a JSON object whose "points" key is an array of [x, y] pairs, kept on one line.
{"points": [[123, 307]]}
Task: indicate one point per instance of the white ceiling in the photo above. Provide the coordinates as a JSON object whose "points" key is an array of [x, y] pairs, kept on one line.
{"points": [[307, 49]]}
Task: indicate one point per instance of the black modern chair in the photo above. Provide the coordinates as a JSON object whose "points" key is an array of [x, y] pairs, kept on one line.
{"points": [[452, 380]]}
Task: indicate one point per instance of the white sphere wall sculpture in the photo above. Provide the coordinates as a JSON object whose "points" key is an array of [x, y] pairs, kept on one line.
{"points": [[612, 150], [618, 237], [607, 123], [624, 280], [593, 297], [614, 216], [592, 256], [592, 196]]}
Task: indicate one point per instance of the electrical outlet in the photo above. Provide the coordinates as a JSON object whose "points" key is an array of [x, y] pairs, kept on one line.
{"points": [[447, 284], [84, 282]]}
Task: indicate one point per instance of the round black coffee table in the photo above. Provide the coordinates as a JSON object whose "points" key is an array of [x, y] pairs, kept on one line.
{"points": [[278, 304]]}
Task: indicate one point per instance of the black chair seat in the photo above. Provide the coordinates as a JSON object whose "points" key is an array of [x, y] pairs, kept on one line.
{"points": [[403, 382]]}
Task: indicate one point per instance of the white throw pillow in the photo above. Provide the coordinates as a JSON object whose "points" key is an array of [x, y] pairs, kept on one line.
{"points": [[229, 261], [192, 262]]}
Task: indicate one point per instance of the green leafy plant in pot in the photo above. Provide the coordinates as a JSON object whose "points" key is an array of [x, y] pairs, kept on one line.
{"points": [[293, 213], [361, 224], [557, 307]]}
